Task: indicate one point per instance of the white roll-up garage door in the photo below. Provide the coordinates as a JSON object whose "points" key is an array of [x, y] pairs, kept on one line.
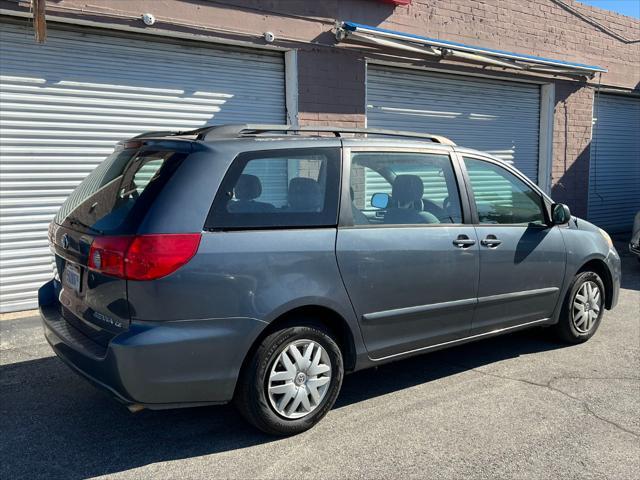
{"points": [[65, 104], [502, 118], [614, 171]]}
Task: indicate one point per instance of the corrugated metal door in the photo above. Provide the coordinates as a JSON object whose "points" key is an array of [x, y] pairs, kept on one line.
{"points": [[614, 173], [502, 118], [65, 104]]}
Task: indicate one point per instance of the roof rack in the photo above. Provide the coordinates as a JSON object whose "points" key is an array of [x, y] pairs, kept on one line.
{"points": [[235, 131]]}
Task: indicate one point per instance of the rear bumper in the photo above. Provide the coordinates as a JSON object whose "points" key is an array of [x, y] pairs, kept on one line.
{"points": [[156, 364]]}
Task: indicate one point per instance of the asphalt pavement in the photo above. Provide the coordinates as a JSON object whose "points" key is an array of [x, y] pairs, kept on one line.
{"points": [[518, 406]]}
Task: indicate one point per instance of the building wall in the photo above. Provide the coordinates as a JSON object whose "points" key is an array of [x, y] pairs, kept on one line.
{"points": [[537, 27], [331, 77], [571, 145], [331, 87]]}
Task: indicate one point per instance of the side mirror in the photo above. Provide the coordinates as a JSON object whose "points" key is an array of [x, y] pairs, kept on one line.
{"points": [[380, 200], [560, 214]]}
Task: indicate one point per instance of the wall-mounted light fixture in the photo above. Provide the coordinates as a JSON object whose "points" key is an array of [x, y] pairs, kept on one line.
{"points": [[148, 19]]}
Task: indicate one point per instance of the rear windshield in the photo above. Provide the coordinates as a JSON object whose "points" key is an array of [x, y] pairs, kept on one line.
{"points": [[116, 195]]}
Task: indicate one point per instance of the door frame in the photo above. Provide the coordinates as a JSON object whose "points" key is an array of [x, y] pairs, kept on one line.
{"points": [[548, 226], [345, 223]]}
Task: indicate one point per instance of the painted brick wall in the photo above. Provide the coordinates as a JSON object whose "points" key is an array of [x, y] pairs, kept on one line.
{"points": [[331, 87], [537, 27], [571, 145]]}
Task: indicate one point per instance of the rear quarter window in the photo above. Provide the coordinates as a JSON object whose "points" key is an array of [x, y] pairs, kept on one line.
{"points": [[279, 189]]}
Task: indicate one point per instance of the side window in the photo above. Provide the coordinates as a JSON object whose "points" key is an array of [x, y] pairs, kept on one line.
{"points": [[501, 197], [397, 188], [279, 188]]}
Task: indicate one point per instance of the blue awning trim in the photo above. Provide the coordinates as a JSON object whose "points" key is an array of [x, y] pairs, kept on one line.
{"points": [[532, 59]]}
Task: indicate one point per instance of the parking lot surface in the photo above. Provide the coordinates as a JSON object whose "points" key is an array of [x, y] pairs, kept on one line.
{"points": [[517, 406]]}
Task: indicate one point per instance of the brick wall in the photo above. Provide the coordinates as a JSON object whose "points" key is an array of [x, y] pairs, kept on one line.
{"points": [[331, 87], [571, 145], [537, 27]]}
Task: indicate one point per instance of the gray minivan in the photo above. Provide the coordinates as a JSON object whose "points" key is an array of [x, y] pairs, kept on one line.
{"points": [[260, 263]]}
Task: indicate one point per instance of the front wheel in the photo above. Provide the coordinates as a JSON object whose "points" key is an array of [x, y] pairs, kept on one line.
{"points": [[291, 381], [583, 309]]}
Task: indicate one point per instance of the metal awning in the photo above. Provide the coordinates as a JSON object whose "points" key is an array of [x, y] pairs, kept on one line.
{"points": [[452, 50]]}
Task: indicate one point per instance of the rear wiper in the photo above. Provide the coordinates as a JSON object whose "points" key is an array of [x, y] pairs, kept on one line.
{"points": [[74, 221]]}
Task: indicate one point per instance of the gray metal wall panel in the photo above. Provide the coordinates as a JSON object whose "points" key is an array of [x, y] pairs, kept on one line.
{"points": [[614, 172], [502, 118], [65, 104]]}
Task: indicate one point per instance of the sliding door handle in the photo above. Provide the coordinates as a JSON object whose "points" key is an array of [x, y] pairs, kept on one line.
{"points": [[463, 242]]}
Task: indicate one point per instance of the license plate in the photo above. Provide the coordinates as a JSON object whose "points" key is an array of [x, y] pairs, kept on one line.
{"points": [[71, 277]]}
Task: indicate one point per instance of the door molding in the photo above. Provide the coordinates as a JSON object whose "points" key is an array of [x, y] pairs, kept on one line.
{"points": [[391, 315], [459, 341]]}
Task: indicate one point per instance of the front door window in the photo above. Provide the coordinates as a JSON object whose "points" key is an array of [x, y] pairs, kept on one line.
{"points": [[501, 197]]}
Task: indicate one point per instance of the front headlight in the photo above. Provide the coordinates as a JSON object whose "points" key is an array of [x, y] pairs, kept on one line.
{"points": [[606, 236]]}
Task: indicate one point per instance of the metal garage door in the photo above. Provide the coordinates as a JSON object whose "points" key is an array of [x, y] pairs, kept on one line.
{"points": [[65, 104], [614, 180], [502, 118]]}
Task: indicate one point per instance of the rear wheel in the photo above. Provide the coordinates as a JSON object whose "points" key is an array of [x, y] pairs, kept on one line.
{"points": [[583, 309], [291, 381]]}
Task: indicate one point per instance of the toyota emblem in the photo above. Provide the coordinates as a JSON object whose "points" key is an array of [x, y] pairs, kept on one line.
{"points": [[65, 241]]}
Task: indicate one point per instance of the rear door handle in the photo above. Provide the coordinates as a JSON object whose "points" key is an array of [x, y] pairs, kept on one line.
{"points": [[490, 241], [463, 242]]}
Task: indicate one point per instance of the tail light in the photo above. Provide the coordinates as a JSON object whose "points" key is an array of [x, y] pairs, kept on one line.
{"points": [[142, 257]]}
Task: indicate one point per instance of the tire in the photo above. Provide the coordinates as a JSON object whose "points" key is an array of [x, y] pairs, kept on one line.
{"points": [[260, 408], [573, 327]]}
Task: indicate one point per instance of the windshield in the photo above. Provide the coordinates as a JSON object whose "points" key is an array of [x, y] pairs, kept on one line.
{"points": [[117, 194]]}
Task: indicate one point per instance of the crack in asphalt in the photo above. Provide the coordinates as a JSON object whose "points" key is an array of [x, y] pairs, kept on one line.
{"points": [[20, 348], [585, 404]]}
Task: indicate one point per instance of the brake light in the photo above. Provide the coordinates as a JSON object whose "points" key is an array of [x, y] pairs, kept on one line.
{"points": [[142, 257], [154, 256], [107, 255]]}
